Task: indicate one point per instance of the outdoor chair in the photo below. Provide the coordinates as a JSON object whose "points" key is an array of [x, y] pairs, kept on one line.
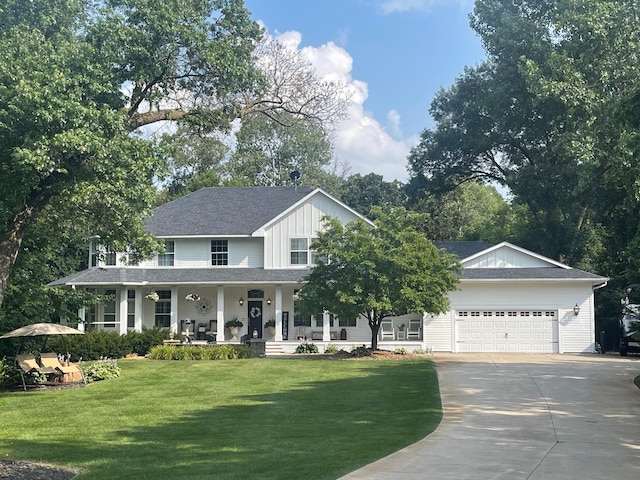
{"points": [[201, 332], [386, 330], [414, 331], [27, 363], [51, 360]]}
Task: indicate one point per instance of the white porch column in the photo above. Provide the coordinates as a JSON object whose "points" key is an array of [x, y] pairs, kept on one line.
{"points": [[138, 307], [174, 309], [220, 315], [81, 316], [326, 327], [278, 336], [123, 311]]}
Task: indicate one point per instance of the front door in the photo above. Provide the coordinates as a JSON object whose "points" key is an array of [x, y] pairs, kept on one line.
{"points": [[255, 317]]}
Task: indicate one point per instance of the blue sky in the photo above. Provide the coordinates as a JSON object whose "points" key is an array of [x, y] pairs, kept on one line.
{"points": [[395, 54]]}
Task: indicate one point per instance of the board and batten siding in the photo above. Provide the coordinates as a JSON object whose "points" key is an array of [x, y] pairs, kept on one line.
{"points": [[505, 258], [302, 222], [575, 333]]}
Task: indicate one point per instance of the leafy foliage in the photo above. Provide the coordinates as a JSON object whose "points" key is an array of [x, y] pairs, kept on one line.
{"points": [[362, 193], [97, 344], [378, 272], [307, 347], [197, 352], [103, 369], [542, 117]]}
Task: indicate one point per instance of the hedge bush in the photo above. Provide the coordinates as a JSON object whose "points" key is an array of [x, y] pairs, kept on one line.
{"points": [[98, 344]]}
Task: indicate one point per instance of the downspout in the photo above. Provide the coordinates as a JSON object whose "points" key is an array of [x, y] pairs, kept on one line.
{"points": [[593, 309]]}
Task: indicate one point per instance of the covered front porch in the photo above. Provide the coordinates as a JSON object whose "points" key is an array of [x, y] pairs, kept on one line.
{"points": [[269, 312]]}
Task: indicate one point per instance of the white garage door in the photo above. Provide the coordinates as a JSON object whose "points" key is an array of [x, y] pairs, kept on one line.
{"points": [[507, 331]]}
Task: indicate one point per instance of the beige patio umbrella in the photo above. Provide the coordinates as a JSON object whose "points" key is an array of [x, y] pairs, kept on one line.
{"points": [[42, 329]]}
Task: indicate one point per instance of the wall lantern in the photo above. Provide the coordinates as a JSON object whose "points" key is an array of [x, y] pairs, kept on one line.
{"points": [[268, 301], [576, 310], [241, 301]]}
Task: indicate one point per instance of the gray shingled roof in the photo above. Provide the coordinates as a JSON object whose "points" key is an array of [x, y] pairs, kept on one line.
{"points": [[223, 211], [539, 273], [119, 276], [463, 249]]}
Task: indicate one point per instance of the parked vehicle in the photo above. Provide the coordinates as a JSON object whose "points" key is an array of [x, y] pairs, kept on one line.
{"points": [[630, 324]]}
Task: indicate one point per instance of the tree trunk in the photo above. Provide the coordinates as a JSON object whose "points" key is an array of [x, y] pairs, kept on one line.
{"points": [[375, 328], [11, 242]]}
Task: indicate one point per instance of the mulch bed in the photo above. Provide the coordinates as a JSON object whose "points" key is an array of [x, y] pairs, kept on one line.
{"points": [[16, 470]]}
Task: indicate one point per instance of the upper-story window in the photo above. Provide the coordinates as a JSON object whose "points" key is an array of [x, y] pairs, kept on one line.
{"points": [[102, 255], [219, 252], [166, 259], [110, 256], [301, 253]]}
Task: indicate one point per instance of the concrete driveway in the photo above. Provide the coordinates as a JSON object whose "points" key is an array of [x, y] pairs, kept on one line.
{"points": [[533, 417]]}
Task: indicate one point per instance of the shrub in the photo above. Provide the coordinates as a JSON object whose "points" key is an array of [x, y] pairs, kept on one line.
{"points": [[197, 352], [9, 375], [103, 369], [141, 342], [5, 370], [400, 351], [98, 344], [361, 351], [419, 351], [307, 348], [331, 349]]}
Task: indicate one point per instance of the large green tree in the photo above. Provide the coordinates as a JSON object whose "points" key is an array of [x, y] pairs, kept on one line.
{"points": [[268, 151], [362, 193], [375, 272], [79, 79], [541, 116]]}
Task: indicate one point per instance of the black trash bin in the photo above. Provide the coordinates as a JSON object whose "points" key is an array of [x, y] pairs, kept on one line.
{"points": [[343, 334]]}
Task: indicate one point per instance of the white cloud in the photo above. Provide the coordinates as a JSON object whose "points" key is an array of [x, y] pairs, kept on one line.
{"points": [[360, 140]]}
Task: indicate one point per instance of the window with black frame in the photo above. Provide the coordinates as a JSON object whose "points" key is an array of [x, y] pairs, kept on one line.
{"points": [[163, 309]]}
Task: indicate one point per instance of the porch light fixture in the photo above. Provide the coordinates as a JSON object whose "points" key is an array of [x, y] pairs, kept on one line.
{"points": [[241, 301], [268, 301], [576, 310]]}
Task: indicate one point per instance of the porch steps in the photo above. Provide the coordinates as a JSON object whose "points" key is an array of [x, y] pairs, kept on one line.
{"points": [[272, 349]]}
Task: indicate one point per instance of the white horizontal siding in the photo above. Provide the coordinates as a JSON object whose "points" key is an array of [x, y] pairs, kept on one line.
{"points": [[196, 253], [577, 332], [246, 252], [192, 252], [438, 332]]}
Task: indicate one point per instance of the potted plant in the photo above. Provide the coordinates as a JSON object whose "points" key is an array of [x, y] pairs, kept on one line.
{"points": [[271, 325], [153, 296], [233, 325]]}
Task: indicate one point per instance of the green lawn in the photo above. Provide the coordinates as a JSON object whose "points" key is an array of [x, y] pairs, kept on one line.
{"points": [[237, 419]]}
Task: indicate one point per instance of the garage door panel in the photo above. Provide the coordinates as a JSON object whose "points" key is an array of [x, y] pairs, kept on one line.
{"points": [[514, 331]]}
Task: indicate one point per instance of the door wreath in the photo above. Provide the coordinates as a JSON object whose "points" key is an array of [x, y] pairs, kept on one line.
{"points": [[255, 312]]}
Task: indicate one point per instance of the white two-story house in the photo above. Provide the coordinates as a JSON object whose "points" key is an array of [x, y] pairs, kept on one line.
{"points": [[241, 252], [230, 253]]}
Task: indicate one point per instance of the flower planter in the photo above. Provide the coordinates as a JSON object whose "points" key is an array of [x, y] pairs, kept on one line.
{"points": [[234, 332]]}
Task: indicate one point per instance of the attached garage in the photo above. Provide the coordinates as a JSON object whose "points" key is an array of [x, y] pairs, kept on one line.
{"points": [[513, 300]]}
